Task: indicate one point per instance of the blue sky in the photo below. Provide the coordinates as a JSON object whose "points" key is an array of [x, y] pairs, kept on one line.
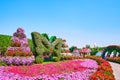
{"points": [[80, 22]]}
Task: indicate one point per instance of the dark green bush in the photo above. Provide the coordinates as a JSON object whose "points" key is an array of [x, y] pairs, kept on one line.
{"points": [[95, 50], [52, 39], [71, 48]]}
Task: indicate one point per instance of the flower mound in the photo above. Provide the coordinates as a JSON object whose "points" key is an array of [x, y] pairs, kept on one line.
{"points": [[68, 70], [19, 52], [104, 71]]}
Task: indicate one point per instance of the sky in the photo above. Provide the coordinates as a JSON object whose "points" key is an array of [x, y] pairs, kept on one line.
{"points": [[80, 22]]}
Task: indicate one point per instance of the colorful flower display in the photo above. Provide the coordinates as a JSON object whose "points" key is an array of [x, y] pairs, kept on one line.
{"points": [[17, 60], [19, 52], [68, 70], [104, 71]]}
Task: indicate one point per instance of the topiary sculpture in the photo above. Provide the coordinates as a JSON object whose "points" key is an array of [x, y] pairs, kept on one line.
{"points": [[19, 50], [44, 46]]}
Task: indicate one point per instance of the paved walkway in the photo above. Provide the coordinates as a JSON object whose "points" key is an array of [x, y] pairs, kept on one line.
{"points": [[116, 70]]}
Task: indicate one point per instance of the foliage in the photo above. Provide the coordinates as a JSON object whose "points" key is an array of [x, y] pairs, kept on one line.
{"points": [[55, 59], [43, 45], [40, 44], [52, 39], [30, 43], [87, 46], [39, 51], [95, 50], [5, 41], [71, 48], [45, 35], [39, 59], [2, 63]]}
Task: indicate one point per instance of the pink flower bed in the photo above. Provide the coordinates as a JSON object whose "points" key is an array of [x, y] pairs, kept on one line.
{"points": [[69, 70]]}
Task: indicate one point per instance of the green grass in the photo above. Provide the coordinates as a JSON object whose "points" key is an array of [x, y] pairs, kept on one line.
{"points": [[48, 62]]}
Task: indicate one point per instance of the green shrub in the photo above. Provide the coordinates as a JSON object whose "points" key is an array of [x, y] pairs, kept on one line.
{"points": [[62, 58], [40, 44], [45, 35], [52, 39], [45, 42], [57, 45], [5, 42], [71, 48], [31, 45], [35, 39], [56, 59], [39, 59], [2, 63], [39, 51]]}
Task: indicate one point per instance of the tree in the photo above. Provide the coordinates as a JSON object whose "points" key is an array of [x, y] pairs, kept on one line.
{"points": [[87, 46]]}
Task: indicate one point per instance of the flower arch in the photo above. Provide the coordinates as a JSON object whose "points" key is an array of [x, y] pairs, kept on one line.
{"points": [[109, 49]]}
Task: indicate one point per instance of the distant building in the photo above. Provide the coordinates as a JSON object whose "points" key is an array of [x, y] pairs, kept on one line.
{"points": [[95, 45]]}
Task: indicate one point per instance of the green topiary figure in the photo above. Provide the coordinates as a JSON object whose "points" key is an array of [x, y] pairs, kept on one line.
{"points": [[45, 35], [45, 46], [52, 39], [57, 45], [71, 48]]}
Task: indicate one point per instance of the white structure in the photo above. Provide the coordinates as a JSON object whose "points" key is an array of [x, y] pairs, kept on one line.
{"points": [[95, 45], [112, 54], [65, 48], [106, 54], [117, 54]]}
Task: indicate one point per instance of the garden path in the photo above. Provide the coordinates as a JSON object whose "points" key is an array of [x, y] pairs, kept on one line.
{"points": [[116, 70]]}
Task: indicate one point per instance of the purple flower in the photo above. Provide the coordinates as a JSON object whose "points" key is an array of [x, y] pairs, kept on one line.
{"points": [[18, 60], [20, 30], [15, 39], [24, 42], [11, 48]]}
